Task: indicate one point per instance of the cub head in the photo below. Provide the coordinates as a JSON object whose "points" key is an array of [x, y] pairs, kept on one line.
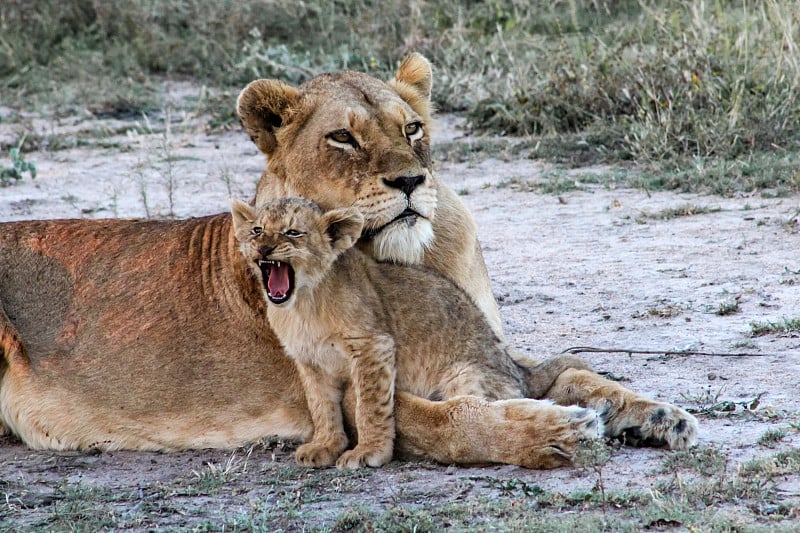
{"points": [[350, 140], [290, 244]]}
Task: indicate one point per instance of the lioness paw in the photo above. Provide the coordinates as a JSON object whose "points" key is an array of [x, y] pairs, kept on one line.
{"points": [[587, 422], [539, 434], [648, 423], [315, 455], [361, 456]]}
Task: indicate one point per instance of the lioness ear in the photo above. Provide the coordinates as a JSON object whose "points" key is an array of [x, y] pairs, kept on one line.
{"points": [[343, 226], [262, 107], [242, 216], [415, 71]]}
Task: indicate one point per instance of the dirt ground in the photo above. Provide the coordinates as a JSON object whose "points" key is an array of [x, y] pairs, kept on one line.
{"points": [[596, 266]]}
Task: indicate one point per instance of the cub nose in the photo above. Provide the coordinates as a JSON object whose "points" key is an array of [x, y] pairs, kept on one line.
{"points": [[266, 250], [407, 184]]}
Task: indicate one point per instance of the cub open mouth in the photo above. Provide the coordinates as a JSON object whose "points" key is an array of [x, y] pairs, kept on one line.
{"points": [[278, 279], [408, 216]]}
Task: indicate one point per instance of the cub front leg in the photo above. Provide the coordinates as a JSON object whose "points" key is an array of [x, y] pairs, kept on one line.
{"points": [[372, 373], [639, 420], [324, 397]]}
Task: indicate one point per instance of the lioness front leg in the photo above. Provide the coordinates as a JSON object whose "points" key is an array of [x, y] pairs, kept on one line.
{"points": [[372, 373], [639, 420], [324, 398], [467, 429]]}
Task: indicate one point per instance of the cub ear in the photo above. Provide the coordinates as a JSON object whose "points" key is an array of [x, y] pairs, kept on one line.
{"points": [[242, 216], [415, 72], [343, 227], [262, 107]]}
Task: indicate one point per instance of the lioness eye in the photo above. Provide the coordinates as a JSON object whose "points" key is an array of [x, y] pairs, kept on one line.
{"points": [[342, 136], [257, 230], [293, 233], [413, 130]]}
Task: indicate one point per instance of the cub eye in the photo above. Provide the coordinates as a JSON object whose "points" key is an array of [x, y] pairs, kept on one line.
{"points": [[256, 231], [342, 137], [293, 233], [413, 130]]}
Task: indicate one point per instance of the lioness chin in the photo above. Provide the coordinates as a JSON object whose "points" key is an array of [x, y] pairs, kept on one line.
{"points": [[153, 334]]}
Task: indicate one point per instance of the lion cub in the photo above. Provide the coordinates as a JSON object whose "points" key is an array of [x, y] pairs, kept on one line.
{"points": [[343, 317]]}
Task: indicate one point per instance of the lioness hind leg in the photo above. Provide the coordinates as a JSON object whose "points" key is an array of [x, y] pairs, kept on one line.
{"points": [[638, 420], [12, 352], [542, 374]]}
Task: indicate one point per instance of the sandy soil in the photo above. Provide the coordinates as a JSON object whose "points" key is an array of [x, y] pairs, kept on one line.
{"points": [[593, 267]]}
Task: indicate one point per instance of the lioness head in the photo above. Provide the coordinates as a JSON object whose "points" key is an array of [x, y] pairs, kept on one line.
{"points": [[348, 139], [290, 243]]}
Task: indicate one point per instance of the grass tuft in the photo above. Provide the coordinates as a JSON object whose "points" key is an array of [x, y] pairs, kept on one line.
{"points": [[785, 325], [18, 166]]}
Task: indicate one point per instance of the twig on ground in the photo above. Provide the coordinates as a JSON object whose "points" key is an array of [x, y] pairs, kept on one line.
{"points": [[629, 351]]}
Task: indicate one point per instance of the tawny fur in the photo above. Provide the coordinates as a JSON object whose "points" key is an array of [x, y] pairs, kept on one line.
{"points": [[153, 334], [352, 319]]}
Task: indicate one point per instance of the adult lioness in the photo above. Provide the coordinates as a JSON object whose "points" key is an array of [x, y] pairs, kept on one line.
{"points": [[152, 334]]}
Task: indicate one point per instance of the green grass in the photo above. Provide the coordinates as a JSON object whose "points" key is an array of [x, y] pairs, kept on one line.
{"points": [[784, 325], [771, 437], [685, 210], [17, 167]]}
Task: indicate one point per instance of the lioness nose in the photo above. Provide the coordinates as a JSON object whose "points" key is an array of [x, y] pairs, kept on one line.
{"points": [[407, 184]]}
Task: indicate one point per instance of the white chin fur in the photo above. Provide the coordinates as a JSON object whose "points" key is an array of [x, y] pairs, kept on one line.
{"points": [[401, 243]]}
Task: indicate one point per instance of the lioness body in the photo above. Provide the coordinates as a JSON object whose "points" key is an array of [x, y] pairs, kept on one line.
{"points": [[114, 360], [151, 335], [343, 317]]}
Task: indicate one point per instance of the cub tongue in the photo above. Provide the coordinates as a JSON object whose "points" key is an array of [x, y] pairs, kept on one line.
{"points": [[278, 282]]}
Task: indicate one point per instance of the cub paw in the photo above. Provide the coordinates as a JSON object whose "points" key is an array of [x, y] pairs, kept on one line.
{"points": [[655, 424], [362, 456], [315, 455]]}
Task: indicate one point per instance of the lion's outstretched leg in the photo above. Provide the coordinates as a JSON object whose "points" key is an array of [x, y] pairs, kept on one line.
{"points": [[466, 429], [639, 420], [542, 374]]}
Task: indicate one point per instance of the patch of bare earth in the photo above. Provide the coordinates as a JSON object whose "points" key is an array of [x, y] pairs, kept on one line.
{"points": [[592, 267]]}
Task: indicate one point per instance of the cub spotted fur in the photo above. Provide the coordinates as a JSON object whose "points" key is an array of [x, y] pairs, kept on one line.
{"points": [[344, 317]]}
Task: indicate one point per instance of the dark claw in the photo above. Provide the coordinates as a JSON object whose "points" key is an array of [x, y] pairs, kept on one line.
{"points": [[658, 416]]}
